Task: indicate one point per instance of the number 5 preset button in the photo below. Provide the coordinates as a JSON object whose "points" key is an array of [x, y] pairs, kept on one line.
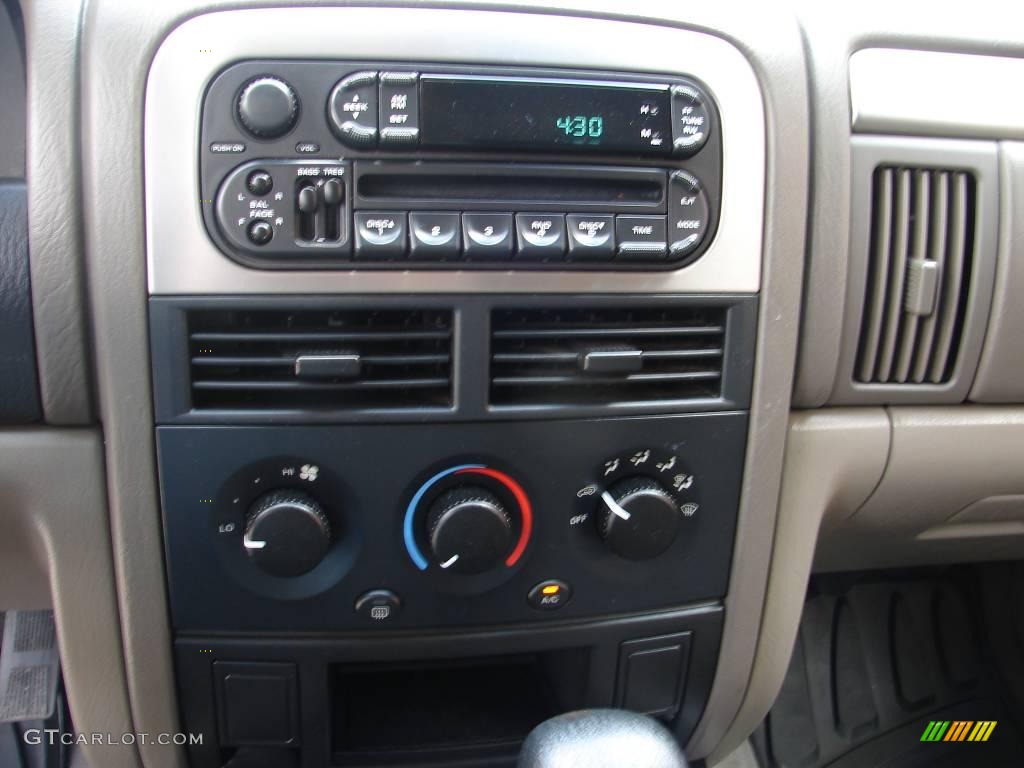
{"points": [[591, 237], [487, 235]]}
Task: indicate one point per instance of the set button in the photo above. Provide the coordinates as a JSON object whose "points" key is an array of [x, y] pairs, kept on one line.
{"points": [[399, 108], [380, 235]]}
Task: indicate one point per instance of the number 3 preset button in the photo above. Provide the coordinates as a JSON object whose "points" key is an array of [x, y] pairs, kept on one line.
{"points": [[487, 235]]}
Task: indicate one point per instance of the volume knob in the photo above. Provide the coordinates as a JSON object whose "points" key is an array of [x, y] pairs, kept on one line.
{"points": [[268, 107], [286, 533]]}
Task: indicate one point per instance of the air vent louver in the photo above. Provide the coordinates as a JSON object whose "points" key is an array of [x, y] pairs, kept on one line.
{"points": [[922, 253], [320, 360], [611, 356]]}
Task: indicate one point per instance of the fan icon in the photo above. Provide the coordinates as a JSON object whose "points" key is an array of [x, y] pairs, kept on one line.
{"points": [[309, 472]]}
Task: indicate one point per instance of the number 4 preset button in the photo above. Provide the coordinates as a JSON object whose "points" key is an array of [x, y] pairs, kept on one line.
{"points": [[540, 236]]}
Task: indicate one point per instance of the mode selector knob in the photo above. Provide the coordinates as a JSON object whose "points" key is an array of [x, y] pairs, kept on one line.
{"points": [[286, 533], [469, 530], [638, 519], [268, 107]]}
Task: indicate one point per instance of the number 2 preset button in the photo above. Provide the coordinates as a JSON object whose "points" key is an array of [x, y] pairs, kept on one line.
{"points": [[434, 236], [487, 236]]}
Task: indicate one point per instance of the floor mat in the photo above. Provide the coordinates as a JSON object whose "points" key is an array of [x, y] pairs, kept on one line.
{"points": [[903, 670]]}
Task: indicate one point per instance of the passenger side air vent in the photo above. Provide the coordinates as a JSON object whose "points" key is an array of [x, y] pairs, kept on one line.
{"points": [[922, 253], [607, 356], [920, 271], [320, 360]]}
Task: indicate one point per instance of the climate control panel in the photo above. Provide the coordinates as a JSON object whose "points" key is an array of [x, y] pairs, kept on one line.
{"points": [[282, 528]]}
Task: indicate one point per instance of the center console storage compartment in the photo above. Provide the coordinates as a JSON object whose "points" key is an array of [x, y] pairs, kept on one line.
{"points": [[440, 699], [469, 708]]}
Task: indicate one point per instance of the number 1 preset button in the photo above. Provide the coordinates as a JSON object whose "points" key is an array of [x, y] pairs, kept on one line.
{"points": [[487, 236]]}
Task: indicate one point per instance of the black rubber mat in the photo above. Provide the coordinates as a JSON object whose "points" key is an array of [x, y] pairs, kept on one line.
{"points": [[880, 658]]}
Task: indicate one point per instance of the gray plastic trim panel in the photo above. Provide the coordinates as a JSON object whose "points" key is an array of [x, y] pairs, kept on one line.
{"points": [[913, 92], [980, 158], [183, 260]]}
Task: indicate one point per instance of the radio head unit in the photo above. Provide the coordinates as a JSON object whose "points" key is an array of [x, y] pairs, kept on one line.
{"points": [[363, 165]]}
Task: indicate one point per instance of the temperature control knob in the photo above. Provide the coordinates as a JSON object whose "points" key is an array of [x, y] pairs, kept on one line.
{"points": [[268, 107], [469, 530], [286, 533], [638, 519]]}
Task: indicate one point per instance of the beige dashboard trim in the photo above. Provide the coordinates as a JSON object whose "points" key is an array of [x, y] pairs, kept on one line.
{"points": [[183, 259], [935, 93]]}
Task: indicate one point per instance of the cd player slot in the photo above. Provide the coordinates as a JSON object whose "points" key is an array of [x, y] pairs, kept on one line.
{"points": [[422, 185]]}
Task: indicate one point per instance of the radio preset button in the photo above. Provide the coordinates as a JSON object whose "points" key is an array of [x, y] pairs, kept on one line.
{"points": [[434, 236], [641, 238], [487, 236], [380, 235], [352, 109], [399, 108], [591, 237], [540, 235], [688, 213], [690, 119]]}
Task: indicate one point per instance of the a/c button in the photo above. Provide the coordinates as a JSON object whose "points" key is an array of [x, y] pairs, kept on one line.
{"points": [[549, 595]]}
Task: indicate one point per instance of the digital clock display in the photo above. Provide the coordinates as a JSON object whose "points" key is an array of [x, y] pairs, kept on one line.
{"points": [[544, 115]]}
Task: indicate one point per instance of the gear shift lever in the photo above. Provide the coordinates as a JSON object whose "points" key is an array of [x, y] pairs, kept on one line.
{"points": [[601, 738]]}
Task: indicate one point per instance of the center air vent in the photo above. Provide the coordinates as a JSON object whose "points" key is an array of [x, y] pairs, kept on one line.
{"points": [[612, 356], [921, 256], [320, 360]]}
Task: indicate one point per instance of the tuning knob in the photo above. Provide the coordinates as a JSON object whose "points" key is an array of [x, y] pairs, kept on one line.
{"points": [[638, 519], [469, 530], [268, 107], [286, 533]]}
